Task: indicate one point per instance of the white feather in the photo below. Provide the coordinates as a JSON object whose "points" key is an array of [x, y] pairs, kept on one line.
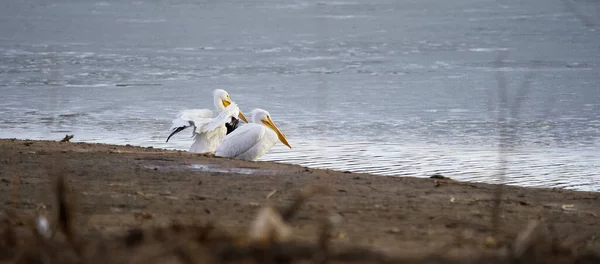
{"points": [[207, 142], [251, 141], [248, 142], [208, 130], [191, 117], [224, 117]]}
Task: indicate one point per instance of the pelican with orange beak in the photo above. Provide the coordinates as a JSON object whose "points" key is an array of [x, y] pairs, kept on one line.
{"points": [[208, 130], [251, 141]]}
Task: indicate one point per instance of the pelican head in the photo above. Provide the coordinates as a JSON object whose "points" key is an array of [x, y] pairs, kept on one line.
{"points": [[222, 100], [260, 116]]}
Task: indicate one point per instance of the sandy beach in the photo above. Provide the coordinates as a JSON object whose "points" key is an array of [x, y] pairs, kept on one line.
{"points": [[117, 188]]}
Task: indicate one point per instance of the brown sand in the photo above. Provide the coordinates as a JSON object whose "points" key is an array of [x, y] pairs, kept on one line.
{"points": [[116, 188]]}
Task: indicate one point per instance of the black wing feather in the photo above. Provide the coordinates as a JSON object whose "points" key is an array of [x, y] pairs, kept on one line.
{"points": [[232, 125], [175, 131]]}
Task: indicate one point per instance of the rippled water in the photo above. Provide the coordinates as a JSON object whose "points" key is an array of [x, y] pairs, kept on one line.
{"points": [[386, 87]]}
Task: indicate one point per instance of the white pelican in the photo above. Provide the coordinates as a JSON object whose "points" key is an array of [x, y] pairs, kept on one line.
{"points": [[209, 131], [251, 141]]}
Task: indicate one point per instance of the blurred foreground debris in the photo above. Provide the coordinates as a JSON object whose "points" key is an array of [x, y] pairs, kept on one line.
{"points": [[28, 238]]}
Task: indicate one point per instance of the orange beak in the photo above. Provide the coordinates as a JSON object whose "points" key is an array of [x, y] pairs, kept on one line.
{"points": [[280, 135], [241, 116]]}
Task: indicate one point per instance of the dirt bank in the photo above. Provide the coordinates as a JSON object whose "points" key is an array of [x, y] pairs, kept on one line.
{"points": [[116, 188]]}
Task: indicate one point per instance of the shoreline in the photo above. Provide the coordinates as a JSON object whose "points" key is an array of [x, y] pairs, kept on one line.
{"points": [[523, 178], [422, 176], [396, 215]]}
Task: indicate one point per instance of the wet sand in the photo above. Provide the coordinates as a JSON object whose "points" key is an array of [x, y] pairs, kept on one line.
{"points": [[117, 188]]}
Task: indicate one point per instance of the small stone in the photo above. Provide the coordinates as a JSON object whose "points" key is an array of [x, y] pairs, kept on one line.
{"points": [[394, 230], [438, 176], [143, 215], [198, 197], [490, 242]]}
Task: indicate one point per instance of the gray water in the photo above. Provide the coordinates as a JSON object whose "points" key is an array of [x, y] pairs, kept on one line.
{"points": [[387, 87]]}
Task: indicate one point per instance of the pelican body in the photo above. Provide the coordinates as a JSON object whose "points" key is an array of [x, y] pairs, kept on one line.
{"points": [[251, 141], [208, 130]]}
